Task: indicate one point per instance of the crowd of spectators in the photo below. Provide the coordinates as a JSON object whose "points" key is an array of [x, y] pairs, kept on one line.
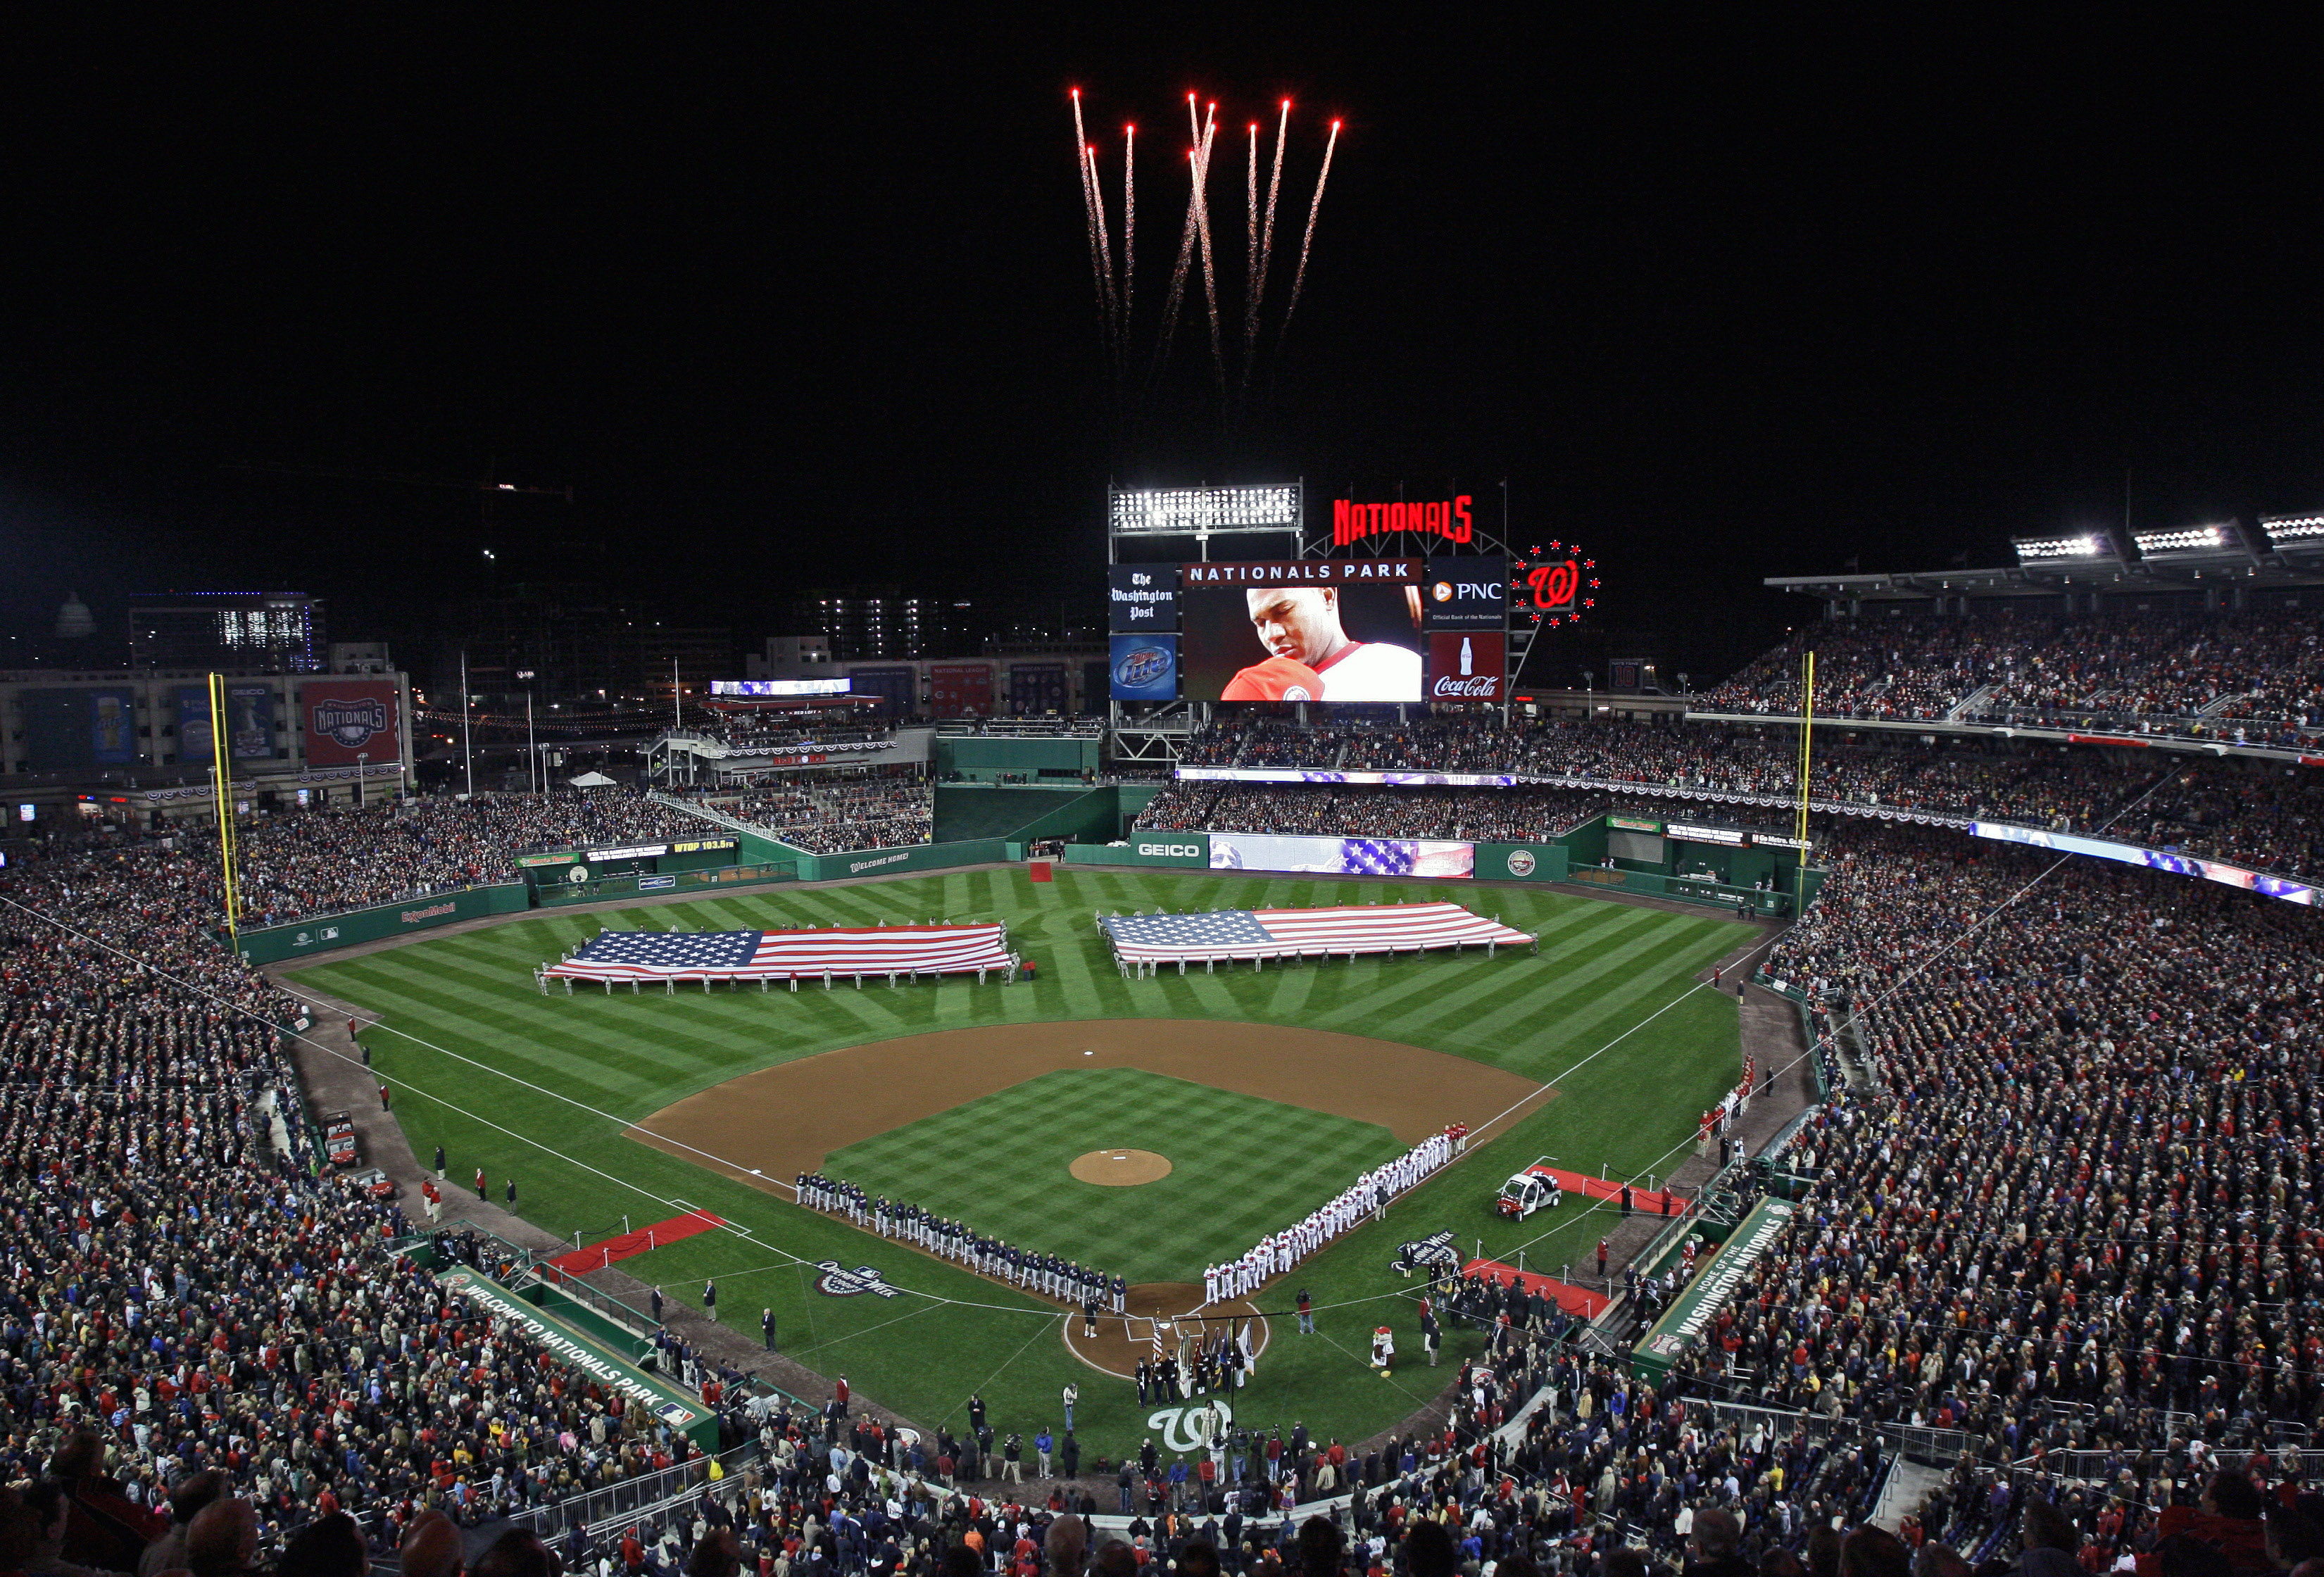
{"points": [[2250, 812], [1510, 816], [835, 816], [312, 862], [186, 1284], [2255, 676], [2076, 1204], [774, 733], [2072, 1211]]}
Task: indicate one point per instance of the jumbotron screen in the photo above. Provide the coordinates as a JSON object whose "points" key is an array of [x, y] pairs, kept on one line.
{"points": [[1303, 630]]}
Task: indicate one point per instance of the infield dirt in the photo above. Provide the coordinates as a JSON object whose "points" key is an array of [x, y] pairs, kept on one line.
{"points": [[783, 1121]]}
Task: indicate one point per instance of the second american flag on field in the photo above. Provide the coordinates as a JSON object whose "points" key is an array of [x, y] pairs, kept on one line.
{"points": [[1246, 934]]}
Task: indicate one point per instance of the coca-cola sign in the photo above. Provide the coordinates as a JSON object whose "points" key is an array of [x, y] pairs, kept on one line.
{"points": [[1465, 665]]}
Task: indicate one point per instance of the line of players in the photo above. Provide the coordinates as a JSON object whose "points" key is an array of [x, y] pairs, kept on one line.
{"points": [[1368, 1195], [1046, 1274]]}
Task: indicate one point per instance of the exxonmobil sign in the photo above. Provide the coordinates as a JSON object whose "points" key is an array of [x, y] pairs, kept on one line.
{"points": [[1447, 518]]}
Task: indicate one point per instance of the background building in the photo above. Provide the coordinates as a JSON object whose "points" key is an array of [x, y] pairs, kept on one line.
{"points": [[272, 631]]}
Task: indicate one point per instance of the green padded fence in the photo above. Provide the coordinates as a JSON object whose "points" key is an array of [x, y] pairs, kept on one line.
{"points": [[273, 944]]}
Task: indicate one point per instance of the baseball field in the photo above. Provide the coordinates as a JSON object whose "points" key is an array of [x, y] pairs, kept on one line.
{"points": [[1141, 1126]]}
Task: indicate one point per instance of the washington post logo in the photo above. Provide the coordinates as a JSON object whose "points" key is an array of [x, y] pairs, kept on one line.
{"points": [[351, 724]]}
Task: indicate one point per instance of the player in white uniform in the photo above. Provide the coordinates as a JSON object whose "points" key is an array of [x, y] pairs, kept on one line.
{"points": [[1302, 623]]}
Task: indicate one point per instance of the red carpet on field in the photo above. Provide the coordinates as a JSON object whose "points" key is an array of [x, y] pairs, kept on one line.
{"points": [[1573, 1300], [1643, 1200], [644, 1240]]}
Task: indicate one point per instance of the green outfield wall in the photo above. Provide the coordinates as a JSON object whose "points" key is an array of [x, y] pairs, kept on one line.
{"points": [[1180, 851], [966, 812], [273, 944], [640, 884], [860, 863], [1004, 758], [1520, 863]]}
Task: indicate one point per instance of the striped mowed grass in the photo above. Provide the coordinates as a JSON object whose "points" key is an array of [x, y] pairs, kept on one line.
{"points": [[540, 1089], [1000, 1165]]}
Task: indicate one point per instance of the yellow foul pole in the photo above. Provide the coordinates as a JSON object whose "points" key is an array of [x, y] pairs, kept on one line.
{"points": [[222, 786], [1807, 745]]}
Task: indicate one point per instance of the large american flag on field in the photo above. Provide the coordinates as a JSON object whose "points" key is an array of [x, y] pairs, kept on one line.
{"points": [[1240, 933], [842, 952]]}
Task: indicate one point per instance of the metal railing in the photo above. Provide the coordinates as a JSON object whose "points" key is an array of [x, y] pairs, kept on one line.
{"points": [[647, 1497]]}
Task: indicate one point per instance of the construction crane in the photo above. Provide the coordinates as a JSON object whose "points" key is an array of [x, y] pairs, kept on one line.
{"points": [[487, 485]]}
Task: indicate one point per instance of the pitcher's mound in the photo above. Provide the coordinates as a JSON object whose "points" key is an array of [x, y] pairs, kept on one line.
{"points": [[1120, 1168]]}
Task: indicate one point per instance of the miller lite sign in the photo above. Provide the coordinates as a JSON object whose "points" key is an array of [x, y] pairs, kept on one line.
{"points": [[343, 719]]}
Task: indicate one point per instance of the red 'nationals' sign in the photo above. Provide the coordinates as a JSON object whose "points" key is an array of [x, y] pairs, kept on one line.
{"points": [[1447, 518]]}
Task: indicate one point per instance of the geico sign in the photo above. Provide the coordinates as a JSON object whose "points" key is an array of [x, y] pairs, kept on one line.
{"points": [[1180, 851]]}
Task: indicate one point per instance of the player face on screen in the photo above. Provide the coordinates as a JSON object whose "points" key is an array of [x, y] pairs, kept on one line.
{"points": [[1301, 622]]}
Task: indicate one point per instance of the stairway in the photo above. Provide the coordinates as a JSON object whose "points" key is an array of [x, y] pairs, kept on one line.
{"points": [[1969, 706], [1907, 1485]]}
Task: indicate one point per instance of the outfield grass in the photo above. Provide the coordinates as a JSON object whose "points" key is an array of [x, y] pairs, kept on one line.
{"points": [[540, 1088], [999, 1165]]}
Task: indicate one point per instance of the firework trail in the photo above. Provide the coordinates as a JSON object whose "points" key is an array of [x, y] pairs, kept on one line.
{"points": [[1105, 250], [1177, 294], [1266, 230], [1203, 232], [1299, 276], [1089, 218], [1177, 291], [1128, 224], [1250, 258]]}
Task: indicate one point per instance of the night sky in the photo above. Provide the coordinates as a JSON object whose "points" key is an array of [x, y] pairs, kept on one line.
{"points": [[1718, 297]]}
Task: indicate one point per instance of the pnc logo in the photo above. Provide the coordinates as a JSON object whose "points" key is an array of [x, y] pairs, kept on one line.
{"points": [[1178, 851], [1465, 591]]}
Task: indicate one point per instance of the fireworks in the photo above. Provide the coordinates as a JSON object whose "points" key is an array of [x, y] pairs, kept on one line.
{"points": [[1113, 268], [1266, 242], [1086, 165], [1307, 242]]}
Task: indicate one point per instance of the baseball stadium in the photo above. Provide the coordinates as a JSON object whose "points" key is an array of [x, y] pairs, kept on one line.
{"points": [[1265, 1110], [917, 890]]}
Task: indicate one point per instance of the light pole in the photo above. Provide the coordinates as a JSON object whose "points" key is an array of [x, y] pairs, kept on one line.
{"points": [[467, 762]]}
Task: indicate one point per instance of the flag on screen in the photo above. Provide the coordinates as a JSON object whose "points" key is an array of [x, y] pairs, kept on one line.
{"points": [[842, 951], [1240, 933]]}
